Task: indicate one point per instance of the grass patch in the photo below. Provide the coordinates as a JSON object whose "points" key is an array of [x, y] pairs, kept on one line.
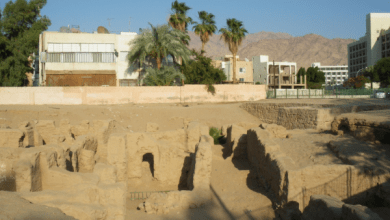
{"points": [[216, 134]]}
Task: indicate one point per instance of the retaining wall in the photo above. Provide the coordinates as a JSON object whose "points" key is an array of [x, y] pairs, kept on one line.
{"points": [[125, 95], [302, 115], [288, 182]]}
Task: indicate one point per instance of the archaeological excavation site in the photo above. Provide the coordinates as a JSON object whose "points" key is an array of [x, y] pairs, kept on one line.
{"points": [[271, 159]]}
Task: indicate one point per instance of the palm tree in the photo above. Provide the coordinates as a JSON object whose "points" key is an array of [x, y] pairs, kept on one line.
{"points": [[158, 42], [206, 29], [178, 18], [233, 36]]}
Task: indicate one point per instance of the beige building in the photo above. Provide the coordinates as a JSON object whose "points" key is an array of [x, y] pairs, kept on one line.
{"points": [[244, 68], [275, 74], [372, 47], [85, 59]]}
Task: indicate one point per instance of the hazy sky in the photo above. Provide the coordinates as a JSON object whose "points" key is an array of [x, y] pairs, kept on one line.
{"points": [[329, 18]]}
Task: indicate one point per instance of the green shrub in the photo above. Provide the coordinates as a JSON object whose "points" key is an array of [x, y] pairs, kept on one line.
{"points": [[215, 133], [258, 83]]}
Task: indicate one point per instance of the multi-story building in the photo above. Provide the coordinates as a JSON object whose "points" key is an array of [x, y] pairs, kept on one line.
{"points": [[371, 47], [270, 73], [333, 74], [86, 59], [244, 68]]}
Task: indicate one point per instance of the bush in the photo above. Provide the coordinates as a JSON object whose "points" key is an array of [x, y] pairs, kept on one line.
{"points": [[216, 134], [258, 83]]}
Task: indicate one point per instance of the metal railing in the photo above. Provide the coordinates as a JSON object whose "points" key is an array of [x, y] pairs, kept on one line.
{"points": [[143, 195], [323, 93]]}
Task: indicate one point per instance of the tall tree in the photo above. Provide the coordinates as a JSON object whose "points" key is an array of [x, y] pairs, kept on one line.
{"points": [[382, 68], [179, 19], [233, 35], [206, 28], [301, 72], [157, 43], [20, 26]]}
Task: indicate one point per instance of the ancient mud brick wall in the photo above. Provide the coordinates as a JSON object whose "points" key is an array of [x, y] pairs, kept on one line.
{"points": [[297, 117], [288, 182]]}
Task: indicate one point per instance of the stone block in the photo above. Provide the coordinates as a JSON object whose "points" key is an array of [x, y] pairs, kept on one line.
{"points": [[81, 129], [236, 140], [86, 161], [358, 212], [200, 172], [11, 138], [117, 155], [323, 207], [46, 129]]}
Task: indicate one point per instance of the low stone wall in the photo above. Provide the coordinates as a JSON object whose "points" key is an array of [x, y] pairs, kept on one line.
{"points": [[302, 115], [287, 182], [124, 95]]}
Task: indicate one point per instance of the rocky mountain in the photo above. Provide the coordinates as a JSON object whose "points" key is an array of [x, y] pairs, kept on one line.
{"points": [[282, 47]]}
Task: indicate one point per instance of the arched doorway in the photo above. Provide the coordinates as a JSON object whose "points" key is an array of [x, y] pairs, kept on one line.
{"points": [[148, 157]]}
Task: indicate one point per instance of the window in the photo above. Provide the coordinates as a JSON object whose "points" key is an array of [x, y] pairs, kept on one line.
{"points": [[242, 70], [80, 53], [241, 79]]}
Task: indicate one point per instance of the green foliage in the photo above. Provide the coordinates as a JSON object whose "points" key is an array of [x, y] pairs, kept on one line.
{"points": [[179, 19], [158, 42], [162, 77], [206, 28], [258, 83], [382, 69], [20, 26], [356, 82], [313, 85], [233, 35], [314, 75], [301, 72], [201, 71], [215, 133]]}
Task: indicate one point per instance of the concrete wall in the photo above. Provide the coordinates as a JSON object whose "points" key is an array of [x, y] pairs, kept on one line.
{"points": [[124, 95]]}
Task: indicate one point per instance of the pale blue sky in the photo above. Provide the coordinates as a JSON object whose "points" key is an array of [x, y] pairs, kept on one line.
{"points": [[329, 18]]}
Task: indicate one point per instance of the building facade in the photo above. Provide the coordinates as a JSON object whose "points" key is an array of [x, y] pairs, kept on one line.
{"points": [[85, 59], [334, 75], [371, 47], [244, 68], [278, 74]]}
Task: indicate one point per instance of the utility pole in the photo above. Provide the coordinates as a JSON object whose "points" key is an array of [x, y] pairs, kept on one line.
{"points": [[273, 66], [109, 21]]}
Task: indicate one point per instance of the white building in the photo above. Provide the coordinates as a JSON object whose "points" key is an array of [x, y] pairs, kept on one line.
{"points": [[371, 47], [333, 74], [263, 71], [86, 59]]}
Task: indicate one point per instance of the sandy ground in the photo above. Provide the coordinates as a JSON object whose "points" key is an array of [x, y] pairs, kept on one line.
{"points": [[235, 193]]}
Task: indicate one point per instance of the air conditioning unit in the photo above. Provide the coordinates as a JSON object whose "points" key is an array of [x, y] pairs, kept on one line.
{"points": [[43, 57]]}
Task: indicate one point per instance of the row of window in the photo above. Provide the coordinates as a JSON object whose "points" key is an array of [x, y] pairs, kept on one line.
{"points": [[332, 68], [385, 54], [338, 78], [357, 54], [385, 38], [357, 61], [81, 57], [358, 47], [357, 68], [386, 46], [334, 73]]}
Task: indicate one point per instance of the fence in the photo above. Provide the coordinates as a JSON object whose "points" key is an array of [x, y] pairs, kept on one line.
{"points": [[323, 93], [353, 186], [143, 195]]}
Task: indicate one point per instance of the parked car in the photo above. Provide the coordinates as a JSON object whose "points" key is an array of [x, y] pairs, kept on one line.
{"points": [[380, 94]]}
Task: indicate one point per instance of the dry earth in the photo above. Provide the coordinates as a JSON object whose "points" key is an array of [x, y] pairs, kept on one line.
{"points": [[236, 195]]}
